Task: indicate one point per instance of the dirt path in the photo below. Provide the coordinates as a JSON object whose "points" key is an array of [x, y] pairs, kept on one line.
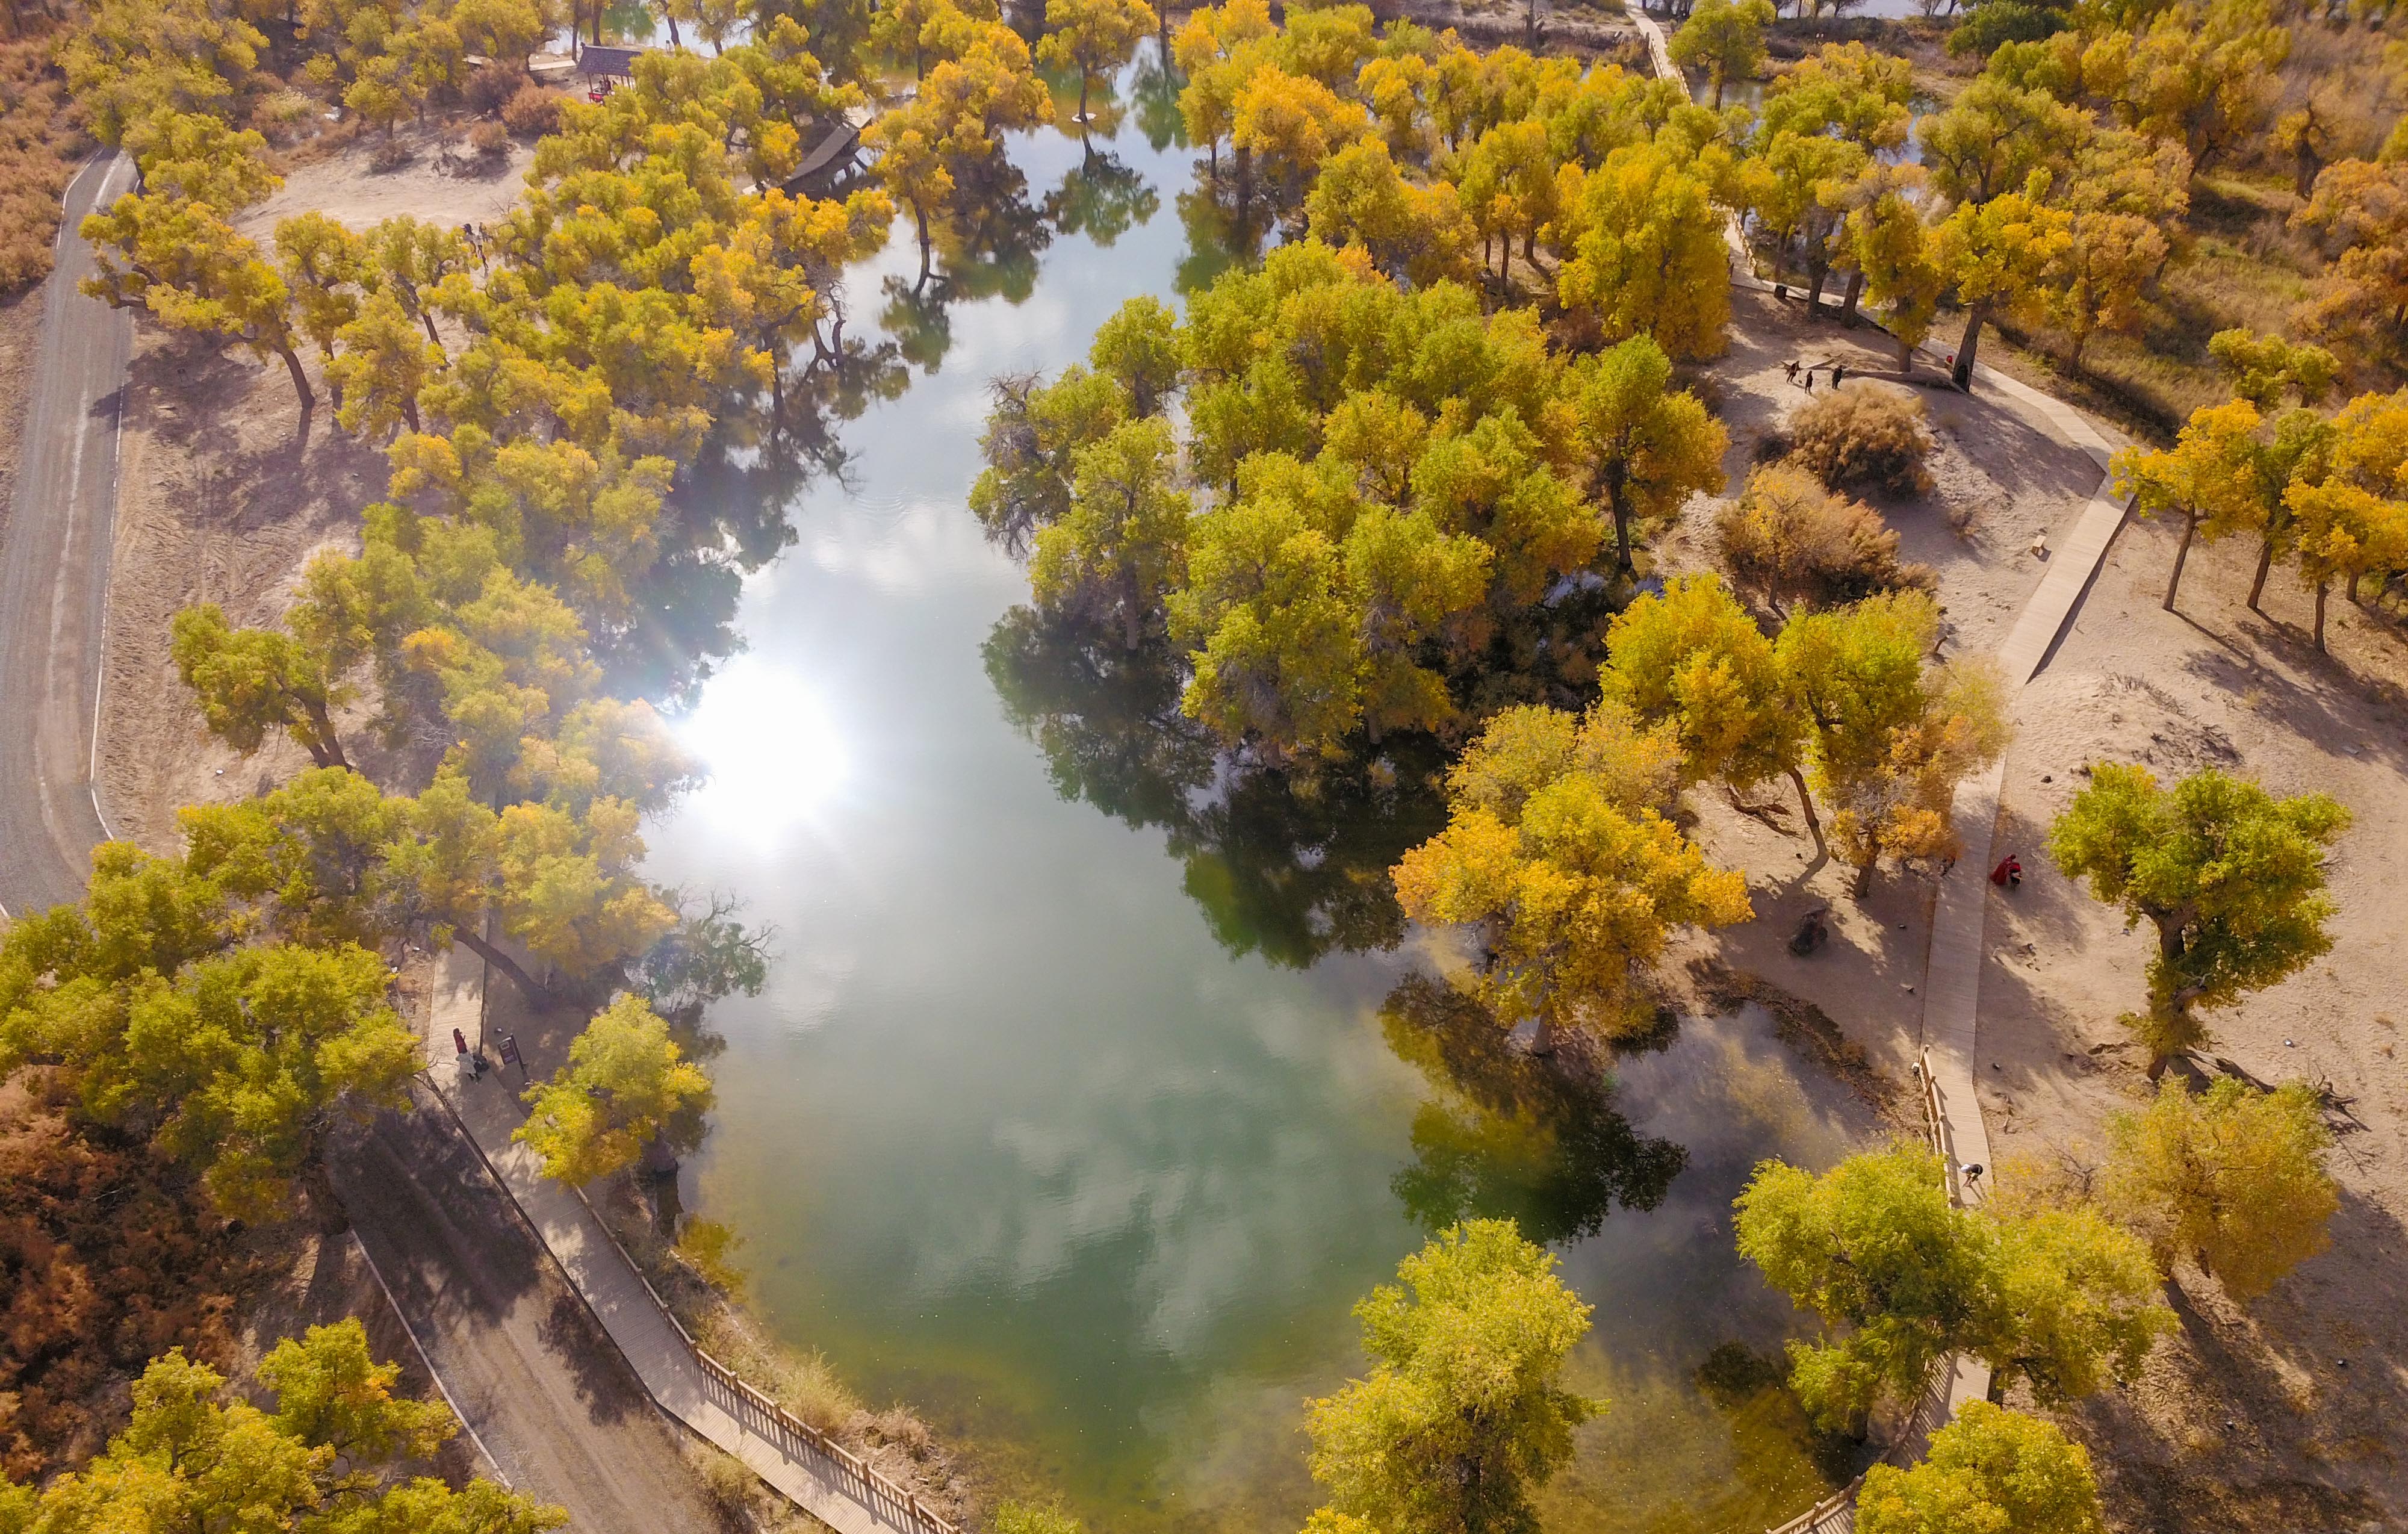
{"points": [[54, 562]]}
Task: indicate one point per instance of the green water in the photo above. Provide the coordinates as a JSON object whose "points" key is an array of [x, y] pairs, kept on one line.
{"points": [[1091, 1090]]}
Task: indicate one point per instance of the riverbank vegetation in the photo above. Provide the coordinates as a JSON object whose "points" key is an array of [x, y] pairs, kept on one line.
{"points": [[1385, 494]]}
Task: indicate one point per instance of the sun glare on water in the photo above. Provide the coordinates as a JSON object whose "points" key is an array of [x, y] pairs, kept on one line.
{"points": [[773, 753]]}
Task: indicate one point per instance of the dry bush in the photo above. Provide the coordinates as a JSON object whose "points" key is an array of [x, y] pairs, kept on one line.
{"points": [[489, 141], [1792, 542], [109, 1256], [534, 111], [728, 1484], [1864, 434], [284, 115], [489, 89], [40, 136], [390, 154], [804, 1384]]}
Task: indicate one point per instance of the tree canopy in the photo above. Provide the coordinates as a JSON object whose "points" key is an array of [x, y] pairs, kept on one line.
{"points": [[1462, 1415], [2231, 879]]}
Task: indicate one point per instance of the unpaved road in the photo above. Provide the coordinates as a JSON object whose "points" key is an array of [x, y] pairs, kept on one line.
{"points": [[554, 1401], [55, 572]]}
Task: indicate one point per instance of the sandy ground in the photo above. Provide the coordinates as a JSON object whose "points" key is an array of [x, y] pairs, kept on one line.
{"points": [[346, 187], [20, 333], [2288, 1415], [2284, 1418], [222, 499]]}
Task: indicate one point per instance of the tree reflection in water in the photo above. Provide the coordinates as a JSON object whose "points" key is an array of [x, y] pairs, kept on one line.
{"points": [[727, 515], [1288, 868], [1101, 198], [1536, 1140]]}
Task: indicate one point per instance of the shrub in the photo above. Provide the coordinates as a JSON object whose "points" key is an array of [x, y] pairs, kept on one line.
{"points": [[491, 88], [1022, 1518], [281, 114], [533, 111], [1864, 434], [39, 137], [111, 1254], [1791, 542], [727, 1482], [490, 140], [389, 154]]}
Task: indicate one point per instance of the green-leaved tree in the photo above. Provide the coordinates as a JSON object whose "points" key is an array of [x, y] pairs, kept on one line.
{"points": [[2230, 878], [1462, 1417]]}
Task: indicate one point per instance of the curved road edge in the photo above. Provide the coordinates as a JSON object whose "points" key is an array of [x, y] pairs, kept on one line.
{"points": [[55, 563]]}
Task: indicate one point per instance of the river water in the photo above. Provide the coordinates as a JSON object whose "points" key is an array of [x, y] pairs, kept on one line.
{"points": [[1091, 1090]]}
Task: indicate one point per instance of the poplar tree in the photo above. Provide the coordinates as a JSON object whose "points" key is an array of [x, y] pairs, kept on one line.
{"points": [[1557, 850], [1724, 39], [2235, 1179], [1692, 658], [1461, 1417], [625, 1084], [2231, 879], [1890, 737], [1648, 446], [1989, 1471]]}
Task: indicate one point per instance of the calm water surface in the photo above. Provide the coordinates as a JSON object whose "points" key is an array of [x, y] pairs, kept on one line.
{"points": [[1070, 1116]]}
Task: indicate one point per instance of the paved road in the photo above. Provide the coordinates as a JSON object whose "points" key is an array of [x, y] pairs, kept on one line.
{"points": [[551, 1398], [55, 572]]}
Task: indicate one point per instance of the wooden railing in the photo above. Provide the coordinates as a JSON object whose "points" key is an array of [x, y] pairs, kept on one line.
{"points": [[852, 1475], [1833, 1512], [1935, 1128]]}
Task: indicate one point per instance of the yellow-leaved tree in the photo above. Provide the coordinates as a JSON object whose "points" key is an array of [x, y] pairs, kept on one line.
{"points": [[1557, 853]]}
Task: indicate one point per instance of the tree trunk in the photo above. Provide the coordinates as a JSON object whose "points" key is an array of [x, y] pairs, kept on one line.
{"points": [[326, 1206], [324, 748], [1806, 806], [2322, 587], [2182, 552], [675, 41], [409, 411], [1625, 562], [1082, 94], [300, 378], [2258, 583], [921, 215], [427, 316], [1719, 90], [1865, 875], [528, 985], [1963, 375], [1818, 271], [1855, 291]]}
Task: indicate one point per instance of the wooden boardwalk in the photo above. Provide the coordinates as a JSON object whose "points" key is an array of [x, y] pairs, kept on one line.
{"points": [[815, 1473]]}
